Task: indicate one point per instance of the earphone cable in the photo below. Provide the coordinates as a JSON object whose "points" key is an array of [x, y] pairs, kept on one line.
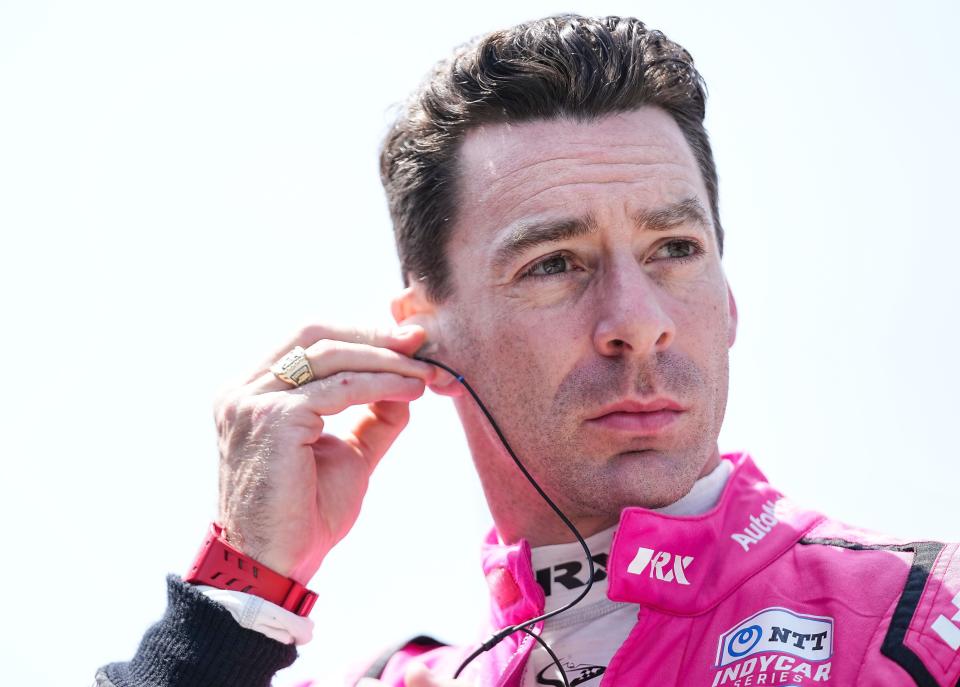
{"points": [[527, 625]]}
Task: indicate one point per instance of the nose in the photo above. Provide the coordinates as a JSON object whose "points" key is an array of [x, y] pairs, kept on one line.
{"points": [[631, 319]]}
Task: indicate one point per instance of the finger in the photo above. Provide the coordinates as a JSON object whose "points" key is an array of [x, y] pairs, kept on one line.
{"points": [[404, 340], [378, 428], [328, 357], [334, 394]]}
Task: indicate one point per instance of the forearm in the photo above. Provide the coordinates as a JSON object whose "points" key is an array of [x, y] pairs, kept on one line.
{"points": [[198, 643]]}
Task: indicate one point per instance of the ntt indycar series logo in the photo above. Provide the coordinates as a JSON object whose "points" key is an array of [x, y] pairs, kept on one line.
{"points": [[775, 646]]}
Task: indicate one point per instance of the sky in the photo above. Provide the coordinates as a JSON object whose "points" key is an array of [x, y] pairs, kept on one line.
{"points": [[184, 184]]}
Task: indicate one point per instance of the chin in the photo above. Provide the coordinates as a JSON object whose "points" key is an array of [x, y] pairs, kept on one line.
{"points": [[649, 479]]}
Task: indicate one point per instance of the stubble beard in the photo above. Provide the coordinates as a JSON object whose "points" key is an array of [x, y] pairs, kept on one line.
{"points": [[591, 477]]}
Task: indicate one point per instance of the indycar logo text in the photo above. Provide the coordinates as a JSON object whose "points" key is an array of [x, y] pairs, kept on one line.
{"points": [[774, 645]]}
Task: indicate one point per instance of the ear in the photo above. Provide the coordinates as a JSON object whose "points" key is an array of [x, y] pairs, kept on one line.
{"points": [[412, 306], [732, 305], [409, 303]]}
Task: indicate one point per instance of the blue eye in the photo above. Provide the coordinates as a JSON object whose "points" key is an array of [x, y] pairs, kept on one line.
{"points": [[555, 264], [559, 264], [680, 249]]}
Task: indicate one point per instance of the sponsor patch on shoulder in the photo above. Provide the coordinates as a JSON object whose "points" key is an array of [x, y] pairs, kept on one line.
{"points": [[948, 627], [776, 640]]}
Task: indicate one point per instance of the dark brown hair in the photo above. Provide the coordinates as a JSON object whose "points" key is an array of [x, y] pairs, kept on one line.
{"points": [[561, 66]]}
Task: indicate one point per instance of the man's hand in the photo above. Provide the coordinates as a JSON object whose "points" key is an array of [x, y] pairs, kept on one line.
{"points": [[288, 490], [418, 675]]}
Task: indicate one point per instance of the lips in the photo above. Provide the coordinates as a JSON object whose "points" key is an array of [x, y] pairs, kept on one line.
{"points": [[638, 417]]}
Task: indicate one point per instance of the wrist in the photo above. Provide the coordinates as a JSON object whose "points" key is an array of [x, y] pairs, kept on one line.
{"points": [[259, 548], [222, 565]]}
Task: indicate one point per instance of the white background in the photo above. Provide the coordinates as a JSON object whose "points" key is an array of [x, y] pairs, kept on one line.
{"points": [[182, 184]]}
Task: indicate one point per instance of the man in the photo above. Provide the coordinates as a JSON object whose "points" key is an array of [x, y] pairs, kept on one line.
{"points": [[554, 200]]}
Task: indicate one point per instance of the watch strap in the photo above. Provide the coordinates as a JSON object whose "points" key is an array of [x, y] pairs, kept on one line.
{"points": [[220, 565]]}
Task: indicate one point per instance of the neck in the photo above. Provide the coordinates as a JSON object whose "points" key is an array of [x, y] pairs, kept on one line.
{"points": [[519, 512], [686, 504], [544, 535]]}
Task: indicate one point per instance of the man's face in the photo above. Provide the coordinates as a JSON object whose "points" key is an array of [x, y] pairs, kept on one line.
{"points": [[586, 274]]}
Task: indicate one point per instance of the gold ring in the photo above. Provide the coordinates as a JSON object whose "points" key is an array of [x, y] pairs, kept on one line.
{"points": [[293, 368]]}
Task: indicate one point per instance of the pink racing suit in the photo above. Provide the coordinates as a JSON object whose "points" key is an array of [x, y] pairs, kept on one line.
{"points": [[757, 591]]}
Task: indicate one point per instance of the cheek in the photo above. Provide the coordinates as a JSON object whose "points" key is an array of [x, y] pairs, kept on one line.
{"points": [[547, 344], [712, 349], [701, 314], [702, 330], [518, 360]]}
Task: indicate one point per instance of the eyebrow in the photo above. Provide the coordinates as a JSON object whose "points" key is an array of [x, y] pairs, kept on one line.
{"points": [[687, 210], [528, 234]]}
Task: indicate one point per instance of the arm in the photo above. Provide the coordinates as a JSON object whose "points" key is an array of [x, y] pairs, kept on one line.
{"points": [[289, 491], [198, 643]]}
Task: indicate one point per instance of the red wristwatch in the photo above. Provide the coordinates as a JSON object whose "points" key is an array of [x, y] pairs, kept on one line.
{"points": [[220, 565]]}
